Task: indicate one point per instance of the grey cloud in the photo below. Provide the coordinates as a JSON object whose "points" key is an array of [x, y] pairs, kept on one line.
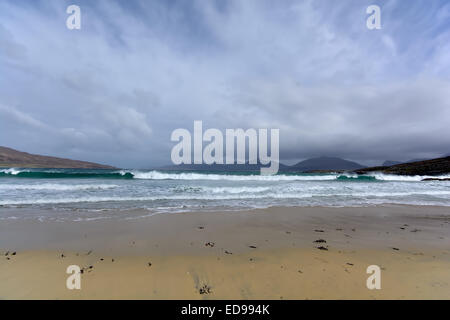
{"points": [[114, 90]]}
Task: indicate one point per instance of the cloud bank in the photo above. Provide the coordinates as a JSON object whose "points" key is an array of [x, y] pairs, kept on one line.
{"points": [[114, 91]]}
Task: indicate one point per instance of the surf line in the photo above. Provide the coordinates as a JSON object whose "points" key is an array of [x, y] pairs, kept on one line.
{"points": [[257, 147]]}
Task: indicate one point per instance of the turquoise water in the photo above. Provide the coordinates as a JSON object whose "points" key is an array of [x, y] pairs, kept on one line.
{"points": [[81, 193]]}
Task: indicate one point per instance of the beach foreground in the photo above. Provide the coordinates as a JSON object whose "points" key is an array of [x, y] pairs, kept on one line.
{"points": [[275, 253]]}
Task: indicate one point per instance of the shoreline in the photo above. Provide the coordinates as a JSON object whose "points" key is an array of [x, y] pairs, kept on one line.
{"points": [[255, 254]]}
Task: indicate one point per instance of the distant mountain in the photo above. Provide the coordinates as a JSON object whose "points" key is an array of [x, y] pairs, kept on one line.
{"points": [[431, 167], [13, 158], [220, 167], [325, 164], [389, 163], [315, 164]]}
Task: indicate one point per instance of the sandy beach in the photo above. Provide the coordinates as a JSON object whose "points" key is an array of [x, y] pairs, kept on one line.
{"points": [[275, 253]]}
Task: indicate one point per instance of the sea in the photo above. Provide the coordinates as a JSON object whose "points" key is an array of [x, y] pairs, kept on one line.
{"points": [[87, 194]]}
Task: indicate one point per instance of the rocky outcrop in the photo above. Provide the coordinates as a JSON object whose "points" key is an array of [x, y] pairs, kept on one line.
{"points": [[433, 167], [13, 158]]}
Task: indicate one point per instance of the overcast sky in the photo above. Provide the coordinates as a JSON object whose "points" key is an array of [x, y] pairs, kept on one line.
{"points": [[114, 91]]}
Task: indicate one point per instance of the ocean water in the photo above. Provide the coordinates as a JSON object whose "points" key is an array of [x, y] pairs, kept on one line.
{"points": [[95, 194]]}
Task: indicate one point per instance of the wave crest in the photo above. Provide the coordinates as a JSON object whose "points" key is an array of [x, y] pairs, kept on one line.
{"points": [[164, 175]]}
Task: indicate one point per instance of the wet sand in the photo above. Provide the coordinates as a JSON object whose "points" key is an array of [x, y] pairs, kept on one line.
{"points": [[276, 253]]}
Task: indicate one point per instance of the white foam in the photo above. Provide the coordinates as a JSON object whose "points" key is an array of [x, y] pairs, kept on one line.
{"points": [[236, 190], [274, 195], [157, 175], [57, 187], [120, 199], [393, 177], [13, 171]]}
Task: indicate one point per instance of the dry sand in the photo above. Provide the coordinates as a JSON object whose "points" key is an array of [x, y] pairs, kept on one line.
{"points": [[257, 254]]}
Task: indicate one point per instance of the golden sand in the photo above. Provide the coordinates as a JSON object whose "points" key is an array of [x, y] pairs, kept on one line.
{"points": [[265, 254]]}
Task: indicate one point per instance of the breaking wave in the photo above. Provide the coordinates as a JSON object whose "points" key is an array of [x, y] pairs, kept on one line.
{"points": [[164, 175]]}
